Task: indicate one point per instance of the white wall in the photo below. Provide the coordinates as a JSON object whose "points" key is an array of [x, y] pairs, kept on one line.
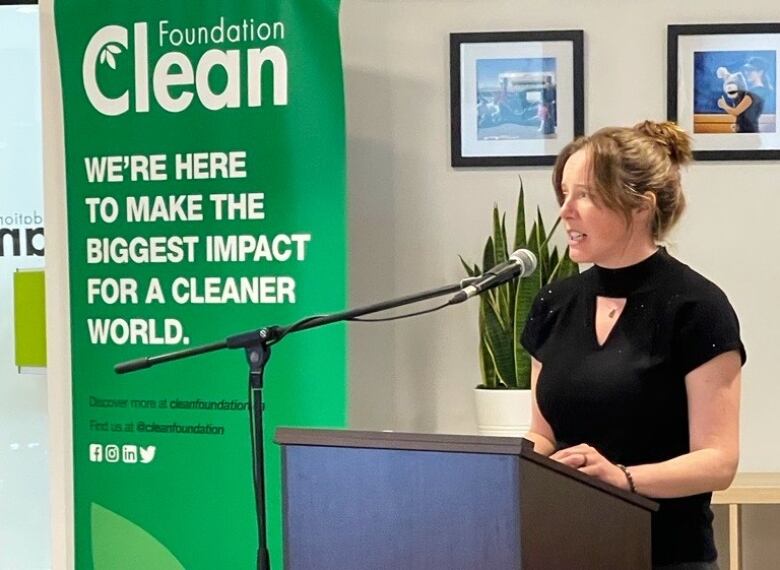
{"points": [[24, 446], [411, 214]]}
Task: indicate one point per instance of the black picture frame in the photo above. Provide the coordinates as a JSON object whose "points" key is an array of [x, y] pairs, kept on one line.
{"points": [[702, 56], [494, 125]]}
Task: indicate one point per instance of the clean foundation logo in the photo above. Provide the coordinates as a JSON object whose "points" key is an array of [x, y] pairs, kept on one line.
{"points": [[176, 80]]}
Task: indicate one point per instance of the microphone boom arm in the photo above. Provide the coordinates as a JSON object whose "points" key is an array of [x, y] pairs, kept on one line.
{"points": [[272, 334]]}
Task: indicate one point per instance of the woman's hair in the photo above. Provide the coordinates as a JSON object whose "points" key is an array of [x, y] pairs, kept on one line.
{"points": [[634, 167]]}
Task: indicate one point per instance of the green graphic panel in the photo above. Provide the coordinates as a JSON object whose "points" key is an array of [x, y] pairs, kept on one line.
{"points": [[30, 318], [118, 544], [205, 180]]}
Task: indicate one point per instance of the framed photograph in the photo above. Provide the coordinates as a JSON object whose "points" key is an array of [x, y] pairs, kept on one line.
{"points": [[516, 98], [722, 89]]}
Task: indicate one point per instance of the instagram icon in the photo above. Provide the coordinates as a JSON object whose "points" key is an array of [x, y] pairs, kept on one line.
{"points": [[112, 453]]}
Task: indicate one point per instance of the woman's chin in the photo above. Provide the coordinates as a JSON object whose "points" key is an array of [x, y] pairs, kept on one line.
{"points": [[577, 255]]}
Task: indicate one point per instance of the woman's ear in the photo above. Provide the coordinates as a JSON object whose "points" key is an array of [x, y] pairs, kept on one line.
{"points": [[646, 211], [650, 201]]}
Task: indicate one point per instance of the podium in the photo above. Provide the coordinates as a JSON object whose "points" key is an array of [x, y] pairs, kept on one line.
{"points": [[399, 501]]}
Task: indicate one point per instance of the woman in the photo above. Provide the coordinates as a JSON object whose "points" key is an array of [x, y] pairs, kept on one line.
{"points": [[636, 361]]}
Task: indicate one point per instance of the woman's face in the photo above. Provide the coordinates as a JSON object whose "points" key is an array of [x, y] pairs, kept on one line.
{"points": [[596, 234]]}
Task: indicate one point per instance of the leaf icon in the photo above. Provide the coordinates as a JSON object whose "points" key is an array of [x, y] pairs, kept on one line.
{"points": [[107, 55]]}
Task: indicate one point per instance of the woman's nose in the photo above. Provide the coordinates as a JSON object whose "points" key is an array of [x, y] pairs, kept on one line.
{"points": [[566, 208]]}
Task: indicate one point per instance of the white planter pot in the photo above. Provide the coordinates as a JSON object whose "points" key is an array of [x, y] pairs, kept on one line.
{"points": [[503, 412]]}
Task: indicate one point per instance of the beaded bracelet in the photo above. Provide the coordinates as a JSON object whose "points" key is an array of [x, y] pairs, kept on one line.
{"points": [[627, 473]]}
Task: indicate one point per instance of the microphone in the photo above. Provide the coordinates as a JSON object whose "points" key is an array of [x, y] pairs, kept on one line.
{"points": [[521, 263]]}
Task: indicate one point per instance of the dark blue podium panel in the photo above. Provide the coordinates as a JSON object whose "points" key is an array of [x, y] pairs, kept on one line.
{"points": [[377, 509]]}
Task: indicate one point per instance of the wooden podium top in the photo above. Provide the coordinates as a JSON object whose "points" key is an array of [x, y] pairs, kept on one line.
{"points": [[452, 443]]}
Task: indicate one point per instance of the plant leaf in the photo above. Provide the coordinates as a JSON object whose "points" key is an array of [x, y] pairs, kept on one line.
{"points": [[554, 259], [494, 302], [552, 231], [499, 344], [500, 254], [470, 271], [487, 365], [533, 247], [533, 282], [544, 254], [569, 267], [489, 260], [520, 239], [488, 257], [558, 271], [511, 288], [522, 309]]}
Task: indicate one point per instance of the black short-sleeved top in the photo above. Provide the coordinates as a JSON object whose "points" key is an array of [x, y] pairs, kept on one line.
{"points": [[627, 397]]}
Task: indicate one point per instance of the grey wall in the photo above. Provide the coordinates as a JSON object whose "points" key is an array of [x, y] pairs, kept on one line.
{"points": [[411, 214]]}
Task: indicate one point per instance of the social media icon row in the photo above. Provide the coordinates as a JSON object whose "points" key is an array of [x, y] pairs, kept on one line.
{"points": [[110, 453]]}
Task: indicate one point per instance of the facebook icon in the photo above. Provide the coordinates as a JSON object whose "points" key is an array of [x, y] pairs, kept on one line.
{"points": [[95, 452]]}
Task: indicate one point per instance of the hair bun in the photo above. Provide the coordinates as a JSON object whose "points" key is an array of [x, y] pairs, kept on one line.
{"points": [[675, 140]]}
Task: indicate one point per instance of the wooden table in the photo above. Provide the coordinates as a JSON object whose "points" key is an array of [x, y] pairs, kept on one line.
{"points": [[747, 489]]}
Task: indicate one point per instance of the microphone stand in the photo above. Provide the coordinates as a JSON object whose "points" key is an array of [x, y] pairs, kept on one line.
{"points": [[257, 348]]}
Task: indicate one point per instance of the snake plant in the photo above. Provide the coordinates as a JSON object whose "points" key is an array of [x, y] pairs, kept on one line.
{"points": [[504, 309]]}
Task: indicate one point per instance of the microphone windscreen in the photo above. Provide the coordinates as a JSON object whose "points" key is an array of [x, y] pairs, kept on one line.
{"points": [[525, 258]]}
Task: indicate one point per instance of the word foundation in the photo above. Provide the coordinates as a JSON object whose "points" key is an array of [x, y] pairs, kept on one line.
{"points": [[245, 31]]}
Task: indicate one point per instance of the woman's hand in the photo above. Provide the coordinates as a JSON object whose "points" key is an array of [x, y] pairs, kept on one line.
{"points": [[588, 460]]}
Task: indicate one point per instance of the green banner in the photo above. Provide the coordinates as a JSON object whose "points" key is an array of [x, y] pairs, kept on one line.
{"points": [[205, 173]]}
